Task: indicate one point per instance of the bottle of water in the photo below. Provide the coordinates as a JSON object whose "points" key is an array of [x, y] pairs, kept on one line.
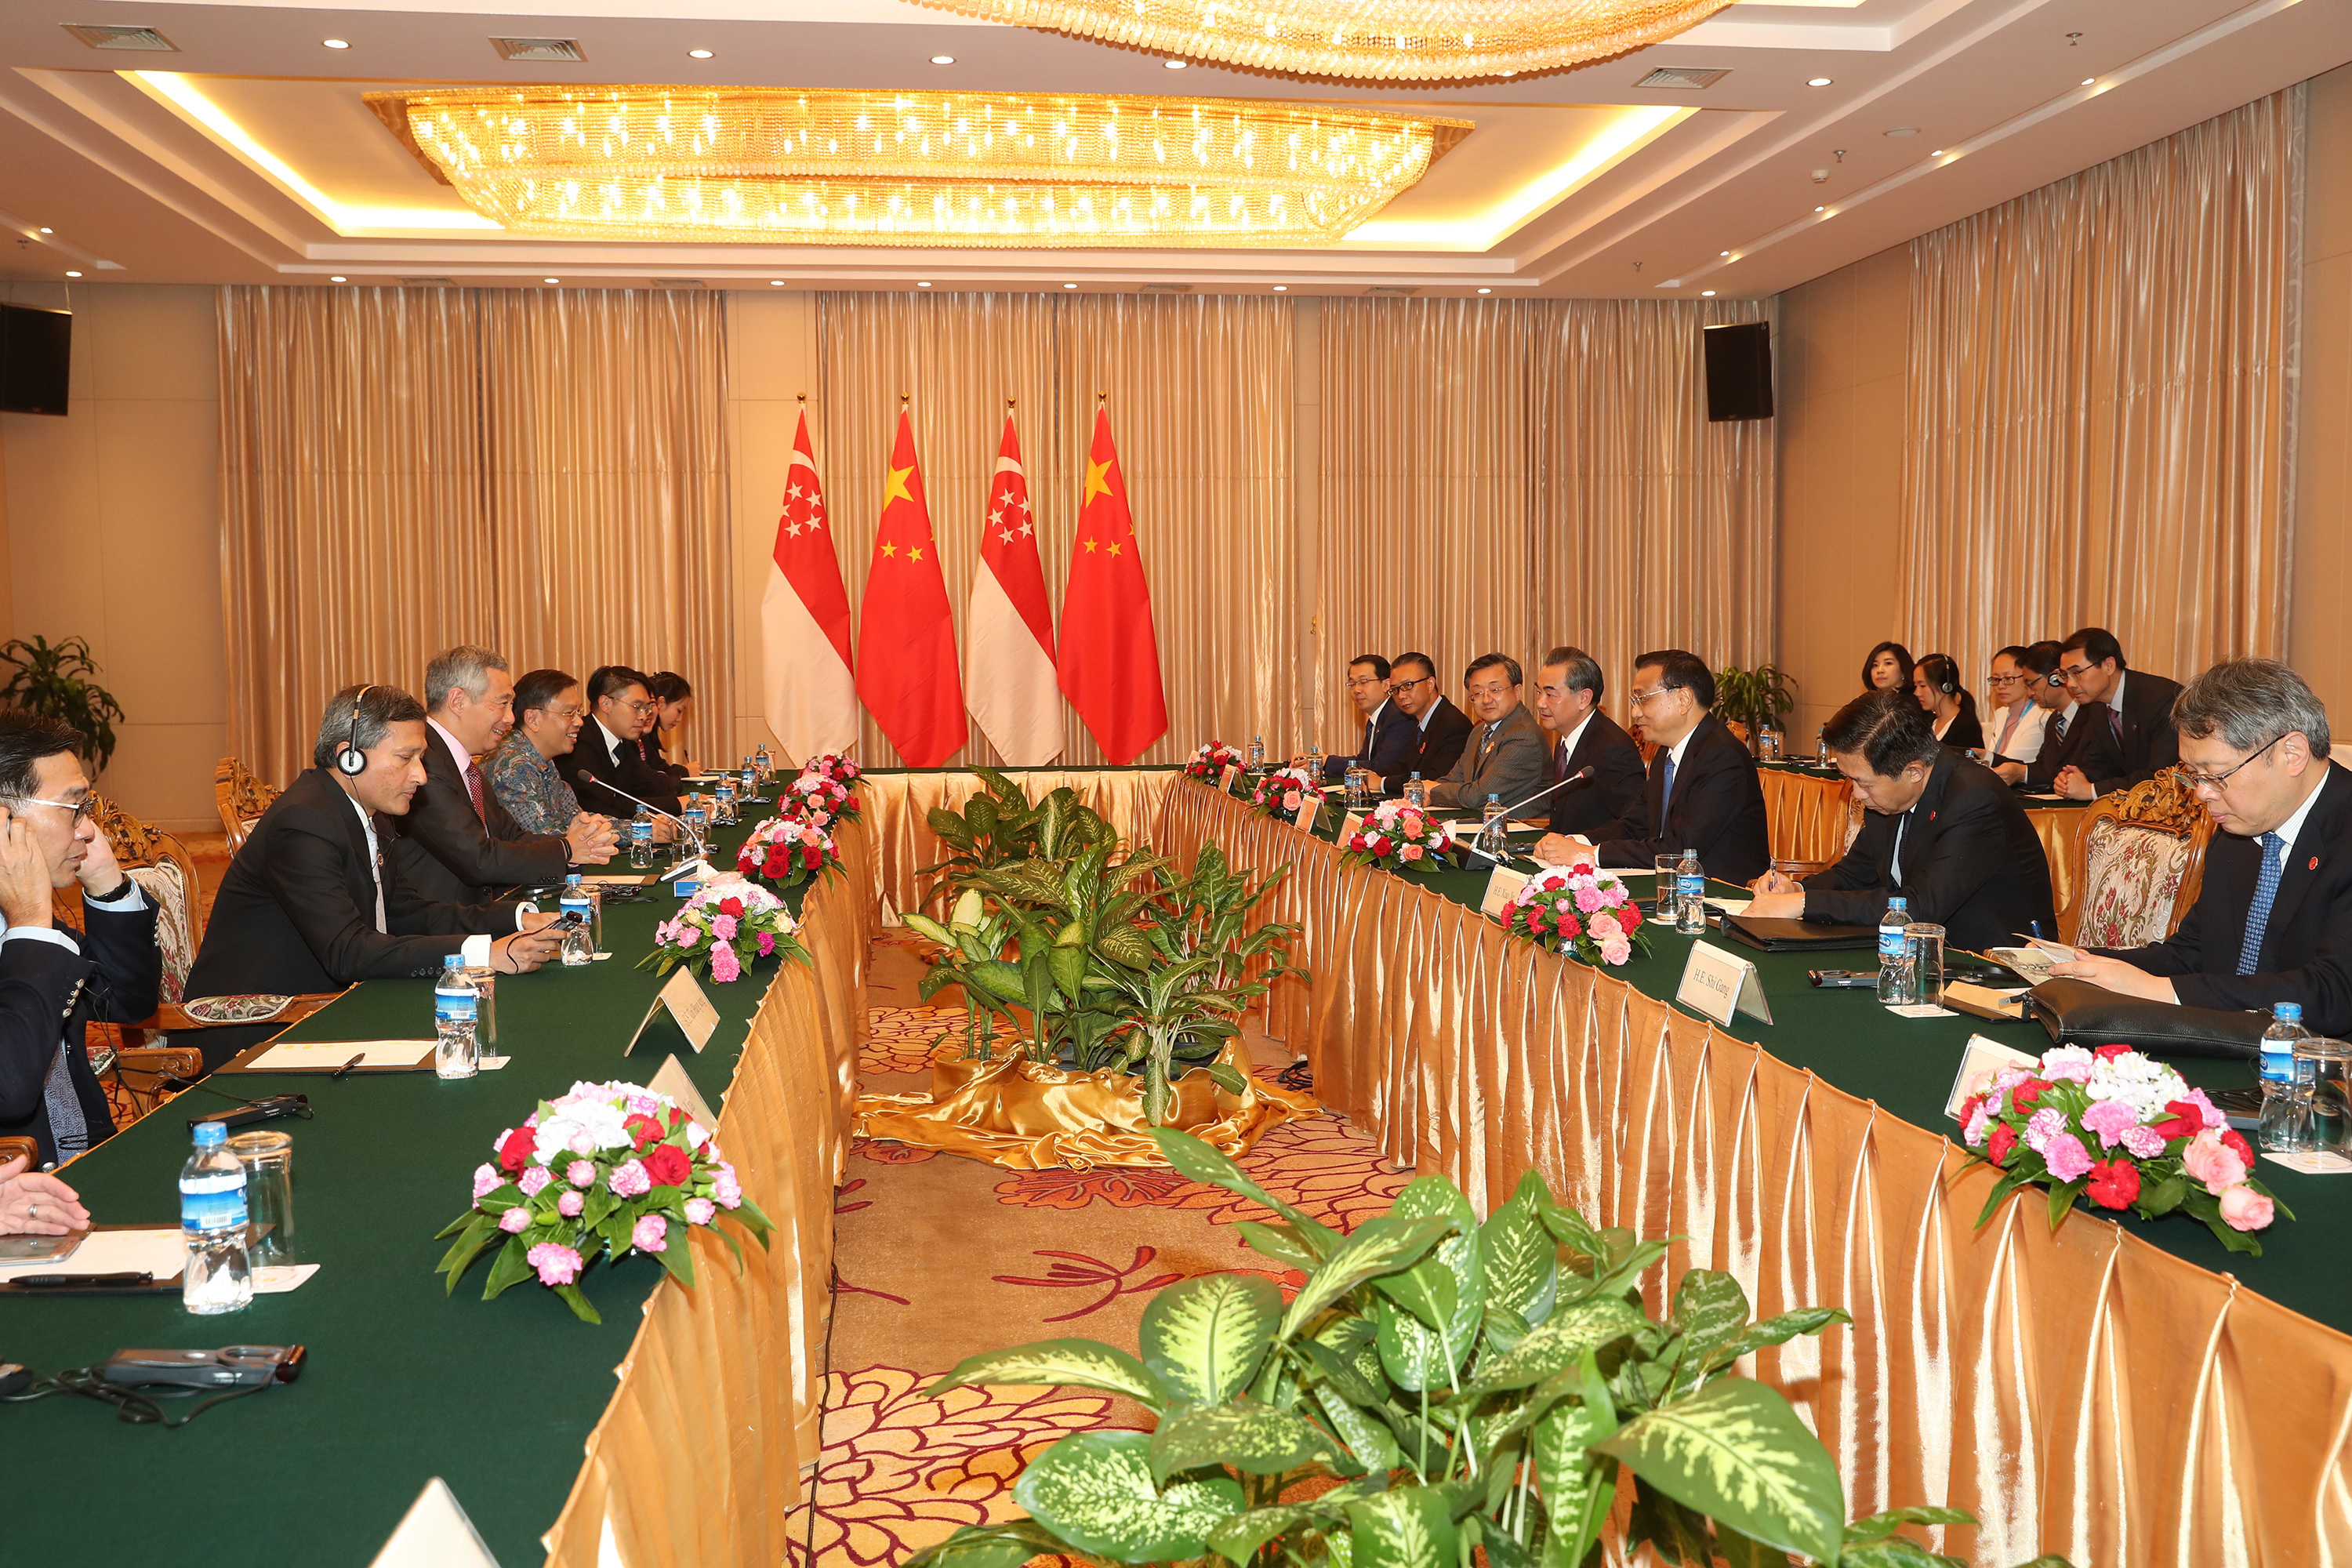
{"points": [[1690, 895], [1355, 785], [750, 788], [1493, 835], [579, 946], [641, 837], [1257, 755], [1315, 764], [219, 1276], [2286, 1105], [1416, 793], [697, 821], [455, 1001], [1895, 971], [760, 760], [1822, 746]]}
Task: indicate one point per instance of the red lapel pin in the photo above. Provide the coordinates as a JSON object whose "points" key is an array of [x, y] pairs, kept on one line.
{"points": [[2314, 863]]}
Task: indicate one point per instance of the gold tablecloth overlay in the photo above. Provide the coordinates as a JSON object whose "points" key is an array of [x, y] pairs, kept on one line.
{"points": [[2083, 1392]]}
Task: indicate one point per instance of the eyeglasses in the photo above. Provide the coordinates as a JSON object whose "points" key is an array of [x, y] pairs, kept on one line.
{"points": [[2198, 781], [2002, 680], [564, 715], [1640, 698], [81, 810], [2061, 675], [638, 707], [1360, 681], [1402, 686]]}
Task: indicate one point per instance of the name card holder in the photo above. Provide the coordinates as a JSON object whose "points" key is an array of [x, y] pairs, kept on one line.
{"points": [[1503, 885], [1350, 826], [1225, 780], [687, 1003], [1310, 811], [1982, 1061], [1717, 985]]}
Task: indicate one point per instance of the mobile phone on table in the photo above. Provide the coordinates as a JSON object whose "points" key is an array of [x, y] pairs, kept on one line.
{"points": [[1843, 979]]}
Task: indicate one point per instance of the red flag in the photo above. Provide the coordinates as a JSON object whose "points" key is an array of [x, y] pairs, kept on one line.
{"points": [[906, 637], [1009, 625], [1110, 656], [812, 700]]}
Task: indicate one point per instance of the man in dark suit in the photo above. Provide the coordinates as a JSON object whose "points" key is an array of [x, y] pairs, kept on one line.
{"points": [[1568, 689], [2272, 921], [1941, 831], [311, 904], [1503, 761], [2073, 734], [54, 984], [2138, 715], [620, 711], [1387, 734], [1703, 792], [1439, 729], [457, 844]]}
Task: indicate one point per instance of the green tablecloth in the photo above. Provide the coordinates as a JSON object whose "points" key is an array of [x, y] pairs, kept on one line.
{"points": [[403, 1383]]}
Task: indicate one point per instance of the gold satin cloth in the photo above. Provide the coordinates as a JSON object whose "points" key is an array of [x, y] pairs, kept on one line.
{"points": [[2081, 1393], [1805, 820]]}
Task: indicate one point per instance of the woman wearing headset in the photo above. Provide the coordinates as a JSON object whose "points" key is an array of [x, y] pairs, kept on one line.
{"points": [[1936, 681]]}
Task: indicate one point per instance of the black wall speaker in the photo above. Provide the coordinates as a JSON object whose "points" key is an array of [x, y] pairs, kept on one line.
{"points": [[36, 350], [1739, 370]]}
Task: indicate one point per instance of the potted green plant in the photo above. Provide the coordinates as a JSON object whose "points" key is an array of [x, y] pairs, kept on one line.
{"points": [[53, 681], [1454, 1387], [1755, 700]]}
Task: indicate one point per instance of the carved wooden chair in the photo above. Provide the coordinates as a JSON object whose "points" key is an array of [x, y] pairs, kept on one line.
{"points": [[2139, 859], [240, 797]]}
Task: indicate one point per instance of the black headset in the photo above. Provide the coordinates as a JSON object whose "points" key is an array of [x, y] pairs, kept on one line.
{"points": [[1945, 673], [351, 761]]}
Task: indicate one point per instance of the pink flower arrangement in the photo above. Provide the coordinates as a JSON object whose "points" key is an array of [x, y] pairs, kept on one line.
{"points": [[1398, 835], [1210, 762], [716, 931], [1579, 910], [785, 851], [2125, 1131], [834, 766], [816, 798], [633, 1167], [1281, 791]]}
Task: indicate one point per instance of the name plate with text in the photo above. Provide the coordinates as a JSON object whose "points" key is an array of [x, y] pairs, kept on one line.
{"points": [[1225, 780], [687, 1003], [1717, 985], [1979, 1065], [1503, 885], [1309, 811]]}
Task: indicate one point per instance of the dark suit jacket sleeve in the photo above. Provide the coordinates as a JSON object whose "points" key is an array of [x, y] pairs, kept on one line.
{"points": [[1392, 741], [441, 821], [36, 978], [129, 977], [1618, 780], [1714, 794], [1971, 850], [1449, 737], [305, 873], [2323, 986]]}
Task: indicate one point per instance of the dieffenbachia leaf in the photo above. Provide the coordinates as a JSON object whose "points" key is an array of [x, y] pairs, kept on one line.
{"points": [[1247, 1436], [1458, 1254], [1278, 1242], [1735, 1452], [1377, 1247], [1519, 1257], [1205, 1338], [1576, 1488], [1373, 1446], [1095, 1490], [1412, 1353], [1779, 1330], [1558, 1344], [1238, 1539], [1412, 1527], [1006, 1545], [1196, 1160], [1873, 1527], [1709, 1309], [1064, 1364], [1896, 1551]]}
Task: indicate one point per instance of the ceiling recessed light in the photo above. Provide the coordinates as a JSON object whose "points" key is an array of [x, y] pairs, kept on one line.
{"points": [[943, 59], [2089, 79], [1818, 81], [1507, 73], [922, 285], [775, 282], [1937, 152], [1485, 290], [551, 280], [73, 274], [1723, 253], [1069, 285], [48, 231], [336, 43], [697, 54], [1707, 293], [1901, 131], [1821, 209], [1174, 65], [1282, 288], [338, 278]]}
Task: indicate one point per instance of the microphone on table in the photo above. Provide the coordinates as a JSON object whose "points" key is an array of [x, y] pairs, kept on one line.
{"points": [[1582, 775], [701, 849]]}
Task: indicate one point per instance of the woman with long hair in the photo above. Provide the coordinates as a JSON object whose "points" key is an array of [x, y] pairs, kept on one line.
{"points": [[1935, 682], [1888, 669], [673, 703]]}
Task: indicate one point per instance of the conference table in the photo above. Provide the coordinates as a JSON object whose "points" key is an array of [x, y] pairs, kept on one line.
{"points": [[2121, 1393]]}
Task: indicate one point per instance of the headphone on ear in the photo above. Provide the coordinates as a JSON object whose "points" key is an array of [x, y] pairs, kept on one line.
{"points": [[1945, 673], [351, 761]]}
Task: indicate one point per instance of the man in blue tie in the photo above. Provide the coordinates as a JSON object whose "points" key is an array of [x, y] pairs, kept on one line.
{"points": [[1387, 736], [1702, 794], [2272, 921]]}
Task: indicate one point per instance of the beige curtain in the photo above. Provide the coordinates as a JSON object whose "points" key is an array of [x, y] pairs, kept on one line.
{"points": [[2100, 385], [1499, 475], [402, 469], [1200, 393]]}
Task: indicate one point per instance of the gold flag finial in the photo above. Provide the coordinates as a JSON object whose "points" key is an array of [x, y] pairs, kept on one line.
{"points": [[1008, 405], [804, 396]]}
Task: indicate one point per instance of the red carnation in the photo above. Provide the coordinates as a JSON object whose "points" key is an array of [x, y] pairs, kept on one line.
{"points": [[2112, 1052], [642, 1127], [2185, 1120], [515, 1149], [2233, 1141], [1630, 917], [669, 1167], [1535, 921], [2022, 1097], [731, 907], [1968, 1107], [677, 1118], [1570, 928], [2114, 1183], [2004, 1139]]}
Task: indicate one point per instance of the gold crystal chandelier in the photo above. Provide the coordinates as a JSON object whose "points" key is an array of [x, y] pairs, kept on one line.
{"points": [[912, 168], [1374, 41]]}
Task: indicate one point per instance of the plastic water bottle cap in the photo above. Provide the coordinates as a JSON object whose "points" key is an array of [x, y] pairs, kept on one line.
{"points": [[453, 960], [573, 879], [209, 1133], [1898, 903], [2288, 1012]]}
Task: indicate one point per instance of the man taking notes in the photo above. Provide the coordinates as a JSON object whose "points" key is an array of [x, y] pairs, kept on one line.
{"points": [[1702, 792], [1941, 831], [2272, 921], [1568, 704], [1439, 728], [1503, 760]]}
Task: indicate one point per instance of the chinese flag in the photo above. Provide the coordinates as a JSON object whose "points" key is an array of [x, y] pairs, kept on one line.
{"points": [[1110, 656], [906, 636]]}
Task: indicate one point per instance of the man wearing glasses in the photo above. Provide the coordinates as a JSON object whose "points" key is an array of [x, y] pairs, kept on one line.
{"points": [[548, 713], [1505, 758], [1388, 732], [607, 754], [1703, 792], [1439, 729], [2139, 714], [54, 984], [2073, 734], [2272, 921]]}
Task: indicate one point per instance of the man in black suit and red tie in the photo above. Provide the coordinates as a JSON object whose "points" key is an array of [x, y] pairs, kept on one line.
{"points": [[2138, 715], [1439, 729], [1578, 735], [2272, 921], [1703, 793]]}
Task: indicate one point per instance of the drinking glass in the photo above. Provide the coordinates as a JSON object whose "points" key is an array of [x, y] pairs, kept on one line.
{"points": [[268, 1160], [1667, 865], [1926, 945], [2323, 1081], [485, 981]]}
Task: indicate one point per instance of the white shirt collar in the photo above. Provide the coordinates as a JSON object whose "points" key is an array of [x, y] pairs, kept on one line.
{"points": [[1374, 716], [2293, 825], [612, 741], [457, 747], [2116, 697], [1428, 714], [367, 820], [1679, 747], [1568, 741], [2067, 713]]}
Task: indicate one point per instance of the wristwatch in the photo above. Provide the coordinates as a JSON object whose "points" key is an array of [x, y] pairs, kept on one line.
{"points": [[121, 888]]}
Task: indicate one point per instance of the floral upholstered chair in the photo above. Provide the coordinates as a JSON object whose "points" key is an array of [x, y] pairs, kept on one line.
{"points": [[2139, 861], [240, 799]]}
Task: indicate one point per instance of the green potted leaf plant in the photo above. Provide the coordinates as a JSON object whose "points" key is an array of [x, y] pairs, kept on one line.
{"points": [[53, 681], [1755, 700]]}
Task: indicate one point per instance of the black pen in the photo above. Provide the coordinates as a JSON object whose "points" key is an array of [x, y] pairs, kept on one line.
{"points": [[344, 1070]]}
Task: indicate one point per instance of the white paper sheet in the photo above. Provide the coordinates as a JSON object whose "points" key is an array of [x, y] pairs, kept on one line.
{"points": [[280, 1279], [158, 1252], [312, 1054]]}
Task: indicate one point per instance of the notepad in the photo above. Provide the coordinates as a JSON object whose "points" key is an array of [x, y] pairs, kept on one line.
{"points": [[331, 1055], [610, 880], [158, 1252]]}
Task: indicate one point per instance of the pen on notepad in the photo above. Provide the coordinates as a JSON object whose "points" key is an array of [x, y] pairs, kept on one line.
{"points": [[347, 1067]]}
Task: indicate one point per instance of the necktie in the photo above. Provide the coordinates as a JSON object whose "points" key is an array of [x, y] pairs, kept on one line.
{"points": [[474, 788], [2057, 727], [68, 1128], [2115, 723], [2258, 913], [1559, 763], [1369, 728], [1665, 790]]}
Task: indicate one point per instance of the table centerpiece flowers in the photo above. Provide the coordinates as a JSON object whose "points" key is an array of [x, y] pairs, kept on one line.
{"points": [[785, 851], [722, 928], [1210, 762], [606, 1169], [1579, 910], [2123, 1129], [834, 766], [1399, 835], [817, 798], [1281, 791]]}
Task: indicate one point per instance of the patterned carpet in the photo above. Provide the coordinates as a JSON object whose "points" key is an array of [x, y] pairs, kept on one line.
{"points": [[939, 1258]]}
